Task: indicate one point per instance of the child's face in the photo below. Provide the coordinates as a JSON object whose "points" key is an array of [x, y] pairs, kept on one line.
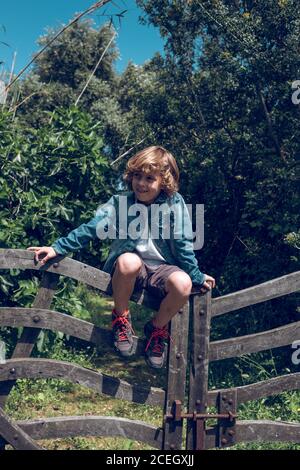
{"points": [[146, 186]]}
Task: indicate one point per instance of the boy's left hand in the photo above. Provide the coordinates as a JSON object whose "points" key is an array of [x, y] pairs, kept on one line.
{"points": [[209, 284]]}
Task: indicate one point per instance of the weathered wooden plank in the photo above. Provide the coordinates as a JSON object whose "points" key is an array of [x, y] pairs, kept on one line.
{"points": [[14, 435], [105, 426], [259, 431], [258, 390], [45, 368], [177, 368], [270, 339], [29, 336], [56, 321], [198, 389], [23, 259], [253, 295], [267, 431]]}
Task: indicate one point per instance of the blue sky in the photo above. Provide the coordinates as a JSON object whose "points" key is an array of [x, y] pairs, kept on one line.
{"points": [[22, 22]]}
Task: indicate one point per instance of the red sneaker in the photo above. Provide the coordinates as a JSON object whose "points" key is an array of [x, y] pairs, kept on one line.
{"points": [[122, 333], [156, 351]]}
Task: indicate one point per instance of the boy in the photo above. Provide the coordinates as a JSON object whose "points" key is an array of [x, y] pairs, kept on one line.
{"points": [[164, 265]]}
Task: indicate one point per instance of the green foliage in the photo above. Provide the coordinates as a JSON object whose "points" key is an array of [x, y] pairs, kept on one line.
{"points": [[223, 106], [61, 72], [50, 176], [77, 49], [52, 179]]}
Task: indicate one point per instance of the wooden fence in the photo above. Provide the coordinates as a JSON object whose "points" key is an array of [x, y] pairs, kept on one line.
{"points": [[183, 358]]}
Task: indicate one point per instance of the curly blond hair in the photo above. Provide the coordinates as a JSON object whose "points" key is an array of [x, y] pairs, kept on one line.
{"points": [[155, 159]]}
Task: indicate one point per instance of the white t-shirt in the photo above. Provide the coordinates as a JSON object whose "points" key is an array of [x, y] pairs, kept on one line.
{"points": [[148, 252]]}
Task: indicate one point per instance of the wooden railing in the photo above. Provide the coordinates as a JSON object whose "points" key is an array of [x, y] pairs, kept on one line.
{"points": [[195, 316]]}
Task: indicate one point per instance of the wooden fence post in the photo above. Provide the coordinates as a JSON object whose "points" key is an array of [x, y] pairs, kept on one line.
{"points": [[177, 367], [198, 388]]}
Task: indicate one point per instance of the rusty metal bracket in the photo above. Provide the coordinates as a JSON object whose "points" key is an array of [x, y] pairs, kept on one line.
{"points": [[226, 420], [227, 402]]}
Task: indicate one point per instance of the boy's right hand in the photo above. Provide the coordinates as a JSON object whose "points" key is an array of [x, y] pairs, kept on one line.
{"points": [[43, 250]]}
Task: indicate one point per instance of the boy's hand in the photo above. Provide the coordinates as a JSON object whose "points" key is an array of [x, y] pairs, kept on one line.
{"points": [[209, 283], [43, 250]]}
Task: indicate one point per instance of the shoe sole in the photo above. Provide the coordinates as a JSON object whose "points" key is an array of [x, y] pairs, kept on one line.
{"points": [[128, 353], [154, 366]]}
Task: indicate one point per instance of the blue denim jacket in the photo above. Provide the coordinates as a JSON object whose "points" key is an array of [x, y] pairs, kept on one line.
{"points": [[176, 248]]}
